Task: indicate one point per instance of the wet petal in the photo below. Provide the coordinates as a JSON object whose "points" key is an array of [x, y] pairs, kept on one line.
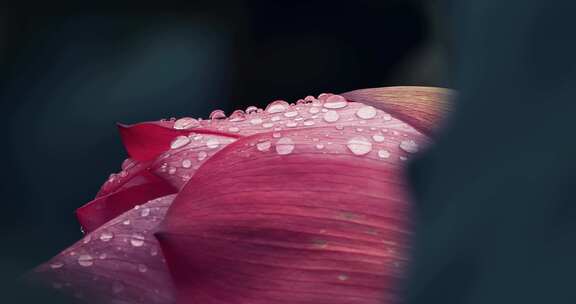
{"points": [[317, 215], [120, 262], [422, 107]]}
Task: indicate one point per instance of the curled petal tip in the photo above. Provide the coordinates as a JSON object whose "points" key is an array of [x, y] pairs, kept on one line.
{"points": [[424, 108]]}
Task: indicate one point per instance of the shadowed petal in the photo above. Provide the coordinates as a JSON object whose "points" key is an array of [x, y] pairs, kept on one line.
{"points": [[313, 216], [120, 262]]}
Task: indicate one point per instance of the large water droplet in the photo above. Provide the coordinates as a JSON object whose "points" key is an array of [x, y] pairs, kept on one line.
{"points": [[237, 115], [378, 138], [383, 154], [284, 146], [335, 102], [179, 142], [186, 123], [137, 240], [366, 112], [106, 236], [212, 143], [277, 106], [186, 163], [85, 260], [359, 145], [331, 116], [263, 146], [217, 114], [56, 265], [409, 146]]}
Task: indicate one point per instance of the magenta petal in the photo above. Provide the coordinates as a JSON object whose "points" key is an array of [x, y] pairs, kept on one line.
{"points": [[145, 141], [120, 262], [104, 208], [318, 215]]}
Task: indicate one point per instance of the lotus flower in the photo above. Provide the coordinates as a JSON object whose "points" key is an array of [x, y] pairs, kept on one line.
{"points": [[297, 203]]}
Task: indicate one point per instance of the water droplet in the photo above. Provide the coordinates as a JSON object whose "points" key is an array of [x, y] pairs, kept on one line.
{"points": [[409, 146], [179, 142], [339, 127], [186, 123], [153, 251], [56, 265], [314, 110], [291, 114], [137, 240], [106, 236], [284, 146], [366, 112], [308, 122], [342, 277], [126, 222], [378, 138], [234, 129], [202, 155], [142, 268], [212, 143], [387, 116], [276, 135], [335, 102], [277, 106], [256, 121], [102, 256], [263, 146], [145, 212], [267, 125], [186, 163], [383, 154], [171, 170], [85, 260], [275, 118], [291, 124], [237, 115], [252, 109], [87, 239], [359, 145], [331, 116], [117, 287], [217, 114], [319, 146]]}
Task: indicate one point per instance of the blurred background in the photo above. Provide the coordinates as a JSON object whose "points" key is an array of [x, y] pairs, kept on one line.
{"points": [[67, 76]]}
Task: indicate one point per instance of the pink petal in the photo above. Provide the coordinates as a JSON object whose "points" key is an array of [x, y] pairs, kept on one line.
{"points": [[422, 107], [120, 262], [317, 215], [145, 141]]}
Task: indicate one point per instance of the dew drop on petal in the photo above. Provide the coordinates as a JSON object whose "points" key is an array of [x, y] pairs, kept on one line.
{"points": [[154, 251], [252, 109], [335, 102], [331, 116], [56, 265], [103, 256], [217, 114], [284, 146], [275, 118], [237, 115], [263, 146], [383, 154], [186, 163], [126, 222], [291, 114], [366, 112], [234, 129], [85, 260], [106, 236], [186, 123], [137, 240], [342, 277], [291, 124], [142, 268], [179, 142], [319, 146], [212, 143], [409, 146], [314, 110], [359, 145], [145, 212], [256, 121], [378, 138], [308, 122], [171, 170], [267, 125], [277, 106], [276, 135], [202, 155]]}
